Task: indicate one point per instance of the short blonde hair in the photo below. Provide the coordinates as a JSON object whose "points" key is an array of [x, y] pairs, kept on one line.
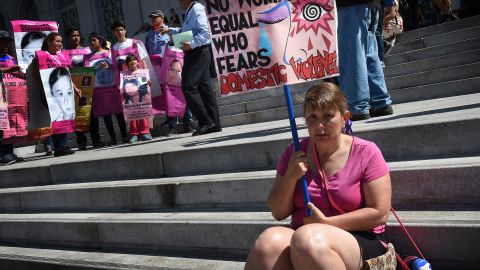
{"points": [[325, 96]]}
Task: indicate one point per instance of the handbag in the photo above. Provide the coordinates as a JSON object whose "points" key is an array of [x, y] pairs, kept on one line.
{"points": [[388, 260]]}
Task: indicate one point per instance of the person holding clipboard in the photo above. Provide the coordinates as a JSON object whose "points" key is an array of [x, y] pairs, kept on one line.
{"points": [[196, 84]]}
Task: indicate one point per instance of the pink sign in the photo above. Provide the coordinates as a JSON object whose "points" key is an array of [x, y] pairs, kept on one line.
{"points": [[76, 56], [59, 91], [29, 36], [172, 102], [4, 124], [261, 44], [106, 97], [136, 95], [16, 85]]}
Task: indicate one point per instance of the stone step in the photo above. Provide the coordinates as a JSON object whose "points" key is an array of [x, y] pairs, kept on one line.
{"points": [[434, 76], [429, 129], [436, 90], [21, 258], [226, 233], [439, 29], [451, 60], [415, 186], [274, 102], [431, 52], [446, 38]]}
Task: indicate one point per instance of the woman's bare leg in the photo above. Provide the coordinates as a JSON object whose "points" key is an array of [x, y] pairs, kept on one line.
{"points": [[319, 246], [271, 250]]}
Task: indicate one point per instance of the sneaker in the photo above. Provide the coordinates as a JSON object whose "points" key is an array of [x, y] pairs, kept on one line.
{"points": [[146, 137], [49, 153], [133, 139], [387, 110], [10, 159], [359, 117]]}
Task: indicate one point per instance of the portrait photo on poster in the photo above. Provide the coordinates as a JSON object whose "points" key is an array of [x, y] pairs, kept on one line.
{"points": [[59, 93], [104, 76], [134, 90], [174, 76], [86, 81], [27, 43]]}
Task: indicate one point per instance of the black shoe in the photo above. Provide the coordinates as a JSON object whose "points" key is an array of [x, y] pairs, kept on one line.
{"points": [[204, 129], [125, 139], [187, 127], [112, 142], [358, 117], [387, 110], [63, 152], [82, 146], [216, 128], [98, 144]]}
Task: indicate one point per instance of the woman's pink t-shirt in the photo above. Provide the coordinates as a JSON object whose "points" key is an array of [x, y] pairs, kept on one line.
{"points": [[365, 163]]}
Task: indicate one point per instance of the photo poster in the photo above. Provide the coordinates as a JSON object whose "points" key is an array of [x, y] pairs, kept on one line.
{"points": [[83, 78], [106, 97], [136, 96], [59, 91], [172, 102], [16, 85], [4, 123], [262, 44], [76, 56], [29, 36]]}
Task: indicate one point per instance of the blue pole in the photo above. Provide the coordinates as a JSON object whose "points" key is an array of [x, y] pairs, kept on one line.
{"points": [[296, 142]]}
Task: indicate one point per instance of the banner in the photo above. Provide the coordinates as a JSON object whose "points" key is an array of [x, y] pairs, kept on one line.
{"points": [[172, 102], [106, 97], [136, 96], [29, 36], [261, 44], [4, 124], [83, 78], [16, 86], [59, 91]]}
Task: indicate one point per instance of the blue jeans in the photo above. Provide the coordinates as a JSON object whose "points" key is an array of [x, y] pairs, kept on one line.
{"points": [[361, 75]]}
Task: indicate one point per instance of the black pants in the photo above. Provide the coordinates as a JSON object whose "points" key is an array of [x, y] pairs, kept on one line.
{"points": [[5, 149], [121, 124], [197, 87], [94, 134], [60, 142]]}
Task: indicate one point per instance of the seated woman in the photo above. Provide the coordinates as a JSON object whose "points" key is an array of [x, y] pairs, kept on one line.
{"points": [[350, 192]]}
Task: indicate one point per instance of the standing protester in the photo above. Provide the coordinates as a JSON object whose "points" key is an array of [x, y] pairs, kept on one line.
{"points": [[155, 44], [77, 52], [7, 65], [196, 82], [101, 59], [361, 73], [124, 47], [52, 46]]}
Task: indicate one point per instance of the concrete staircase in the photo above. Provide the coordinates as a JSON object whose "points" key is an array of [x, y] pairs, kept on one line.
{"points": [[200, 202]]}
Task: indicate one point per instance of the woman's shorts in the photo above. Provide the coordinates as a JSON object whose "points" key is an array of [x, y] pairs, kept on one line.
{"points": [[370, 246]]}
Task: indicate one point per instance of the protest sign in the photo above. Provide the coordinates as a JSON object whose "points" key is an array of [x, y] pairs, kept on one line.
{"points": [[172, 102], [261, 44], [136, 97], [16, 86], [106, 97], [4, 124], [76, 56], [29, 36], [83, 78], [59, 91]]}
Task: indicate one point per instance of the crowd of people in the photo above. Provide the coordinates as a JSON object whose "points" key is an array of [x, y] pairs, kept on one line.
{"points": [[126, 56]]}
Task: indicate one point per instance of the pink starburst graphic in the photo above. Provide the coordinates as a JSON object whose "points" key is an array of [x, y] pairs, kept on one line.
{"points": [[312, 15]]}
